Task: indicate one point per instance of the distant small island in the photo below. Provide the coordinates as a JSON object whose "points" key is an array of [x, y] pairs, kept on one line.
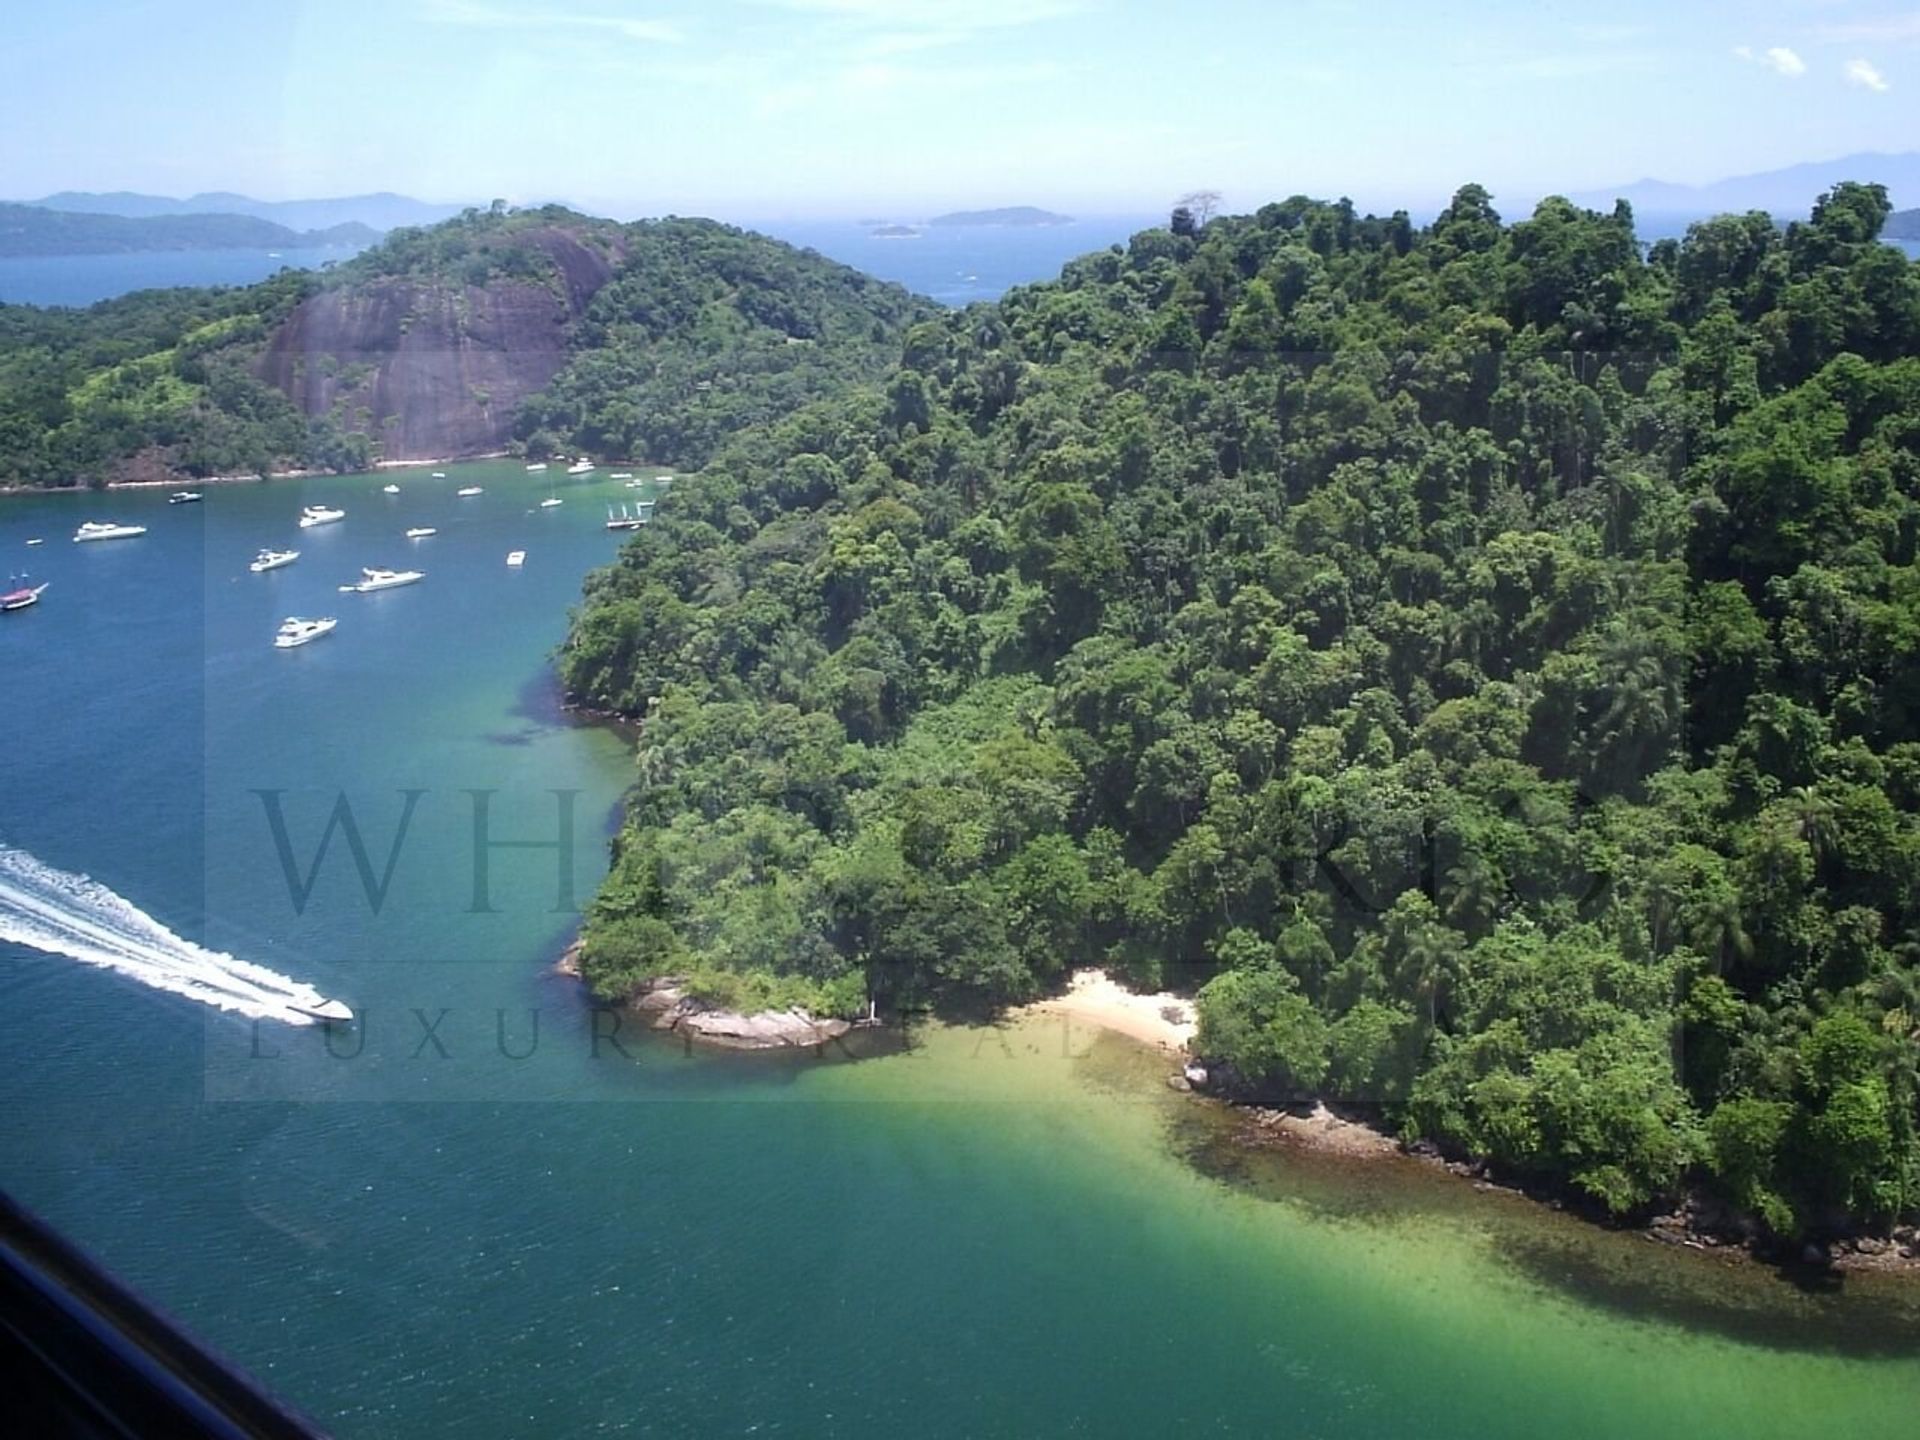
{"points": [[1007, 215], [896, 232], [32, 230]]}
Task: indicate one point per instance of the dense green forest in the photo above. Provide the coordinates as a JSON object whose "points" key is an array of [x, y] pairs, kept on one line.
{"points": [[1480, 659], [700, 329]]}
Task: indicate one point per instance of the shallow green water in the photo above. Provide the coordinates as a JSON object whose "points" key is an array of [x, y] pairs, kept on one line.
{"points": [[1010, 1232]]}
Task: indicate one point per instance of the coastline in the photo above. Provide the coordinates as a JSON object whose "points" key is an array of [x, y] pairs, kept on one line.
{"points": [[1165, 1024], [179, 482]]}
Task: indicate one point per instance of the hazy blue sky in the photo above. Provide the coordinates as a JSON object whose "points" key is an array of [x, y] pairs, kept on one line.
{"points": [[762, 108]]}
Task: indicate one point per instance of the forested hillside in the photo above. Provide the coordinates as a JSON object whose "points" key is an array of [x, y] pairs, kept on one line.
{"points": [[658, 338], [1481, 658], [31, 230]]}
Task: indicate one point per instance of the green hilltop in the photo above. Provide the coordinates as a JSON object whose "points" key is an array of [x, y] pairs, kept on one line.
{"points": [[1480, 659]]}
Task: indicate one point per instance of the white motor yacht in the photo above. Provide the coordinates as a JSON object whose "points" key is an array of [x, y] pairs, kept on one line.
{"points": [[331, 1012], [273, 560], [107, 530], [465, 490], [320, 515], [389, 489], [374, 578], [533, 468], [580, 466], [420, 532], [516, 558], [295, 631], [550, 502], [185, 497]]}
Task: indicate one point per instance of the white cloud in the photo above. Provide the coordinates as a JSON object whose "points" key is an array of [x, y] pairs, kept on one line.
{"points": [[1777, 58], [1860, 73], [483, 16]]}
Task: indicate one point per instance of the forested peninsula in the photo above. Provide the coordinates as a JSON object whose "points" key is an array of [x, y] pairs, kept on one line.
{"points": [[1480, 659], [32, 230]]}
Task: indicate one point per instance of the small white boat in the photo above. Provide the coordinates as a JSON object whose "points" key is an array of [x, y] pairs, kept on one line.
{"points": [[185, 497], [295, 631], [439, 474], [36, 541], [621, 475], [516, 557], [468, 490], [636, 484], [374, 578], [420, 532], [389, 489], [272, 560], [550, 502], [331, 1012], [532, 468], [106, 530], [314, 515], [580, 466]]}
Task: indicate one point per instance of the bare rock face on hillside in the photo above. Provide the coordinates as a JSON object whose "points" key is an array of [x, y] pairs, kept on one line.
{"points": [[433, 368]]}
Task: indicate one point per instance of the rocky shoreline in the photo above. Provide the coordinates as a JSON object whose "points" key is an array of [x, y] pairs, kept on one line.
{"points": [[666, 1006], [1699, 1222]]}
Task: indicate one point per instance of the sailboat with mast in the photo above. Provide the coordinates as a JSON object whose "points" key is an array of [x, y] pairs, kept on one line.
{"points": [[19, 594]]}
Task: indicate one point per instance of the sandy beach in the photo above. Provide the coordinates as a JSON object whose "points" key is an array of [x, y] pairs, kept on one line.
{"points": [[1095, 997]]}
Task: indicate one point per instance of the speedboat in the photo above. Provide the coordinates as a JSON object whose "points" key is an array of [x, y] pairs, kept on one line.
{"points": [[273, 560], [439, 474], [468, 490], [550, 502], [533, 468], [516, 557], [320, 515], [36, 541], [185, 497], [621, 475], [21, 594], [332, 1012], [107, 530], [374, 578], [420, 532], [580, 466], [295, 631], [636, 484], [389, 489]]}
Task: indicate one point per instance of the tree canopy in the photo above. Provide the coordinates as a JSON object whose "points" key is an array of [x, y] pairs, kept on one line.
{"points": [[1479, 658]]}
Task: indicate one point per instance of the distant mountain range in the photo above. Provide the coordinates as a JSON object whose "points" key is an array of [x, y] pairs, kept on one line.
{"points": [[1903, 225], [33, 230], [382, 211], [1788, 194]]}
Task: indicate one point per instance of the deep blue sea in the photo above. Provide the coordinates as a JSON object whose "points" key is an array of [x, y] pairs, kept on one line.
{"points": [[958, 265], [84, 279]]}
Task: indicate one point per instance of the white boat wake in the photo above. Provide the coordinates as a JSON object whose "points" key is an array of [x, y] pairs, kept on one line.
{"points": [[72, 915]]}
